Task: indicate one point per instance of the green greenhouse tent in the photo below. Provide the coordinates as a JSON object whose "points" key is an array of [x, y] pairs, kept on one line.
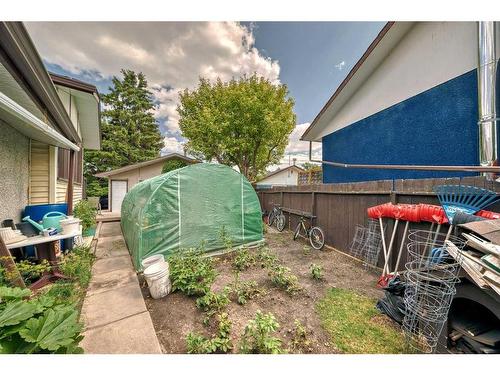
{"points": [[188, 207]]}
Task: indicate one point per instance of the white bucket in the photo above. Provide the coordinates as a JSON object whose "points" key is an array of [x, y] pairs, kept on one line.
{"points": [[70, 225], [157, 277], [149, 261]]}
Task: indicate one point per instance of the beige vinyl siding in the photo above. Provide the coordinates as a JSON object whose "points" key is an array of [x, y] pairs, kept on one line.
{"points": [[61, 188], [39, 173]]}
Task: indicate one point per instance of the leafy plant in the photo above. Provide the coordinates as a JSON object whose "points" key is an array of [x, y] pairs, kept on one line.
{"points": [[267, 258], [243, 260], [37, 325], [225, 238], [284, 278], [245, 290], [258, 335], [86, 213], [77, 265], [220, 343], [29, 271], [316, 271], [212, 303], [191, 273], [300, 342]]}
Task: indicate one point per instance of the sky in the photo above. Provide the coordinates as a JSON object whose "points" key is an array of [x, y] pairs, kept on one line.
{"points": [[311, 58]]}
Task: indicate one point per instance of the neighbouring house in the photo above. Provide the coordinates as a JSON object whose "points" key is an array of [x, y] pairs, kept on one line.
{"points": [[281, 177], [121, 180], [411, 99], [46, 121]]}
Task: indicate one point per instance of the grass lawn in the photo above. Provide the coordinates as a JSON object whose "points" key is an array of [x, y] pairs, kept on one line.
{"points": [[356, 326]]}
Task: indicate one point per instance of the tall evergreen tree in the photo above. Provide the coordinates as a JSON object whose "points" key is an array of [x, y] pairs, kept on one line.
{"points": [[130, 133]]}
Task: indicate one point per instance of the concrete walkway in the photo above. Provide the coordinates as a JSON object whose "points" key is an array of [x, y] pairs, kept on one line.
{"points": [[114, 313]]}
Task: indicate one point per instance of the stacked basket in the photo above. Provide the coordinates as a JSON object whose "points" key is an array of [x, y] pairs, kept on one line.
{"points": [[431, 276]]}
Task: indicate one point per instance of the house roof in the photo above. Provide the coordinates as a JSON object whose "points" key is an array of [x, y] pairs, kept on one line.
{"points": [[19, 55], [73, 83], [127, 168], [89, 108], [295, 167], [381, 46]]}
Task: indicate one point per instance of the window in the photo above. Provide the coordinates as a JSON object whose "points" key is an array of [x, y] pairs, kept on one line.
{"points": [[63, 165]]}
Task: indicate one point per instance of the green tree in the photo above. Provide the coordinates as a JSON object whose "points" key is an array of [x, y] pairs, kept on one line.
{"points": [[172, 164], [130, 133], [243, 123]]}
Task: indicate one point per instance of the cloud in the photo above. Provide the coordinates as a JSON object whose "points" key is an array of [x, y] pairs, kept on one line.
{"points": [[172, 55], [340, 65], [172, 144]]}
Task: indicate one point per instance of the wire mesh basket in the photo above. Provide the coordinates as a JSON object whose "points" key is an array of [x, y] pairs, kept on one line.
{"points": [[358, 241], [428, 253], [367, 242], [431, 276]]}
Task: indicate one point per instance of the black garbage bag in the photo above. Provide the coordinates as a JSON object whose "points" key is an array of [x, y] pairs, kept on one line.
{"points": [[392, 304]]}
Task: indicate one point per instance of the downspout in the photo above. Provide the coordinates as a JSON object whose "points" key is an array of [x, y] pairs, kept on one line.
{"points": [[486, 80]]}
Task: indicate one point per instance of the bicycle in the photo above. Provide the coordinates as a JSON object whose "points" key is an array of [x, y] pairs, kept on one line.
{"points": [[314, 234], [276, 214]]}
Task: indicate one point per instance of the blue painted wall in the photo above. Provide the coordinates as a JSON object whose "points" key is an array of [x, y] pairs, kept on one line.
{"points": [[436, 127]]}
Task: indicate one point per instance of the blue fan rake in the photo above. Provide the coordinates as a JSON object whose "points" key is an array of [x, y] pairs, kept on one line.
{"points": [[464, 198]]}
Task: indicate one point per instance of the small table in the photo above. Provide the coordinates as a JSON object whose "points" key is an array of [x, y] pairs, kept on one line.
{"points": [[47, 250]]}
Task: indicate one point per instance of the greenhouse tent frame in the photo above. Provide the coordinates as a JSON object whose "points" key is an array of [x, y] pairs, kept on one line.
{"points": [[206, 206]]}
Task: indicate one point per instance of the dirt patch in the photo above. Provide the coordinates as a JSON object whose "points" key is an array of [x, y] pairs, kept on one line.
{"points": [[176, 315]]}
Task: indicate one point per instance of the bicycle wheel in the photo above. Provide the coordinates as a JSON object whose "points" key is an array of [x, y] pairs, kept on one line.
{"points": [[296, 233], [270, 218], [280, 222], [316, 238]]}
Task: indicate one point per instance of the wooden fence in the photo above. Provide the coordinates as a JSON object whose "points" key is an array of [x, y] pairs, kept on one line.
{"points": [[340, 207]]}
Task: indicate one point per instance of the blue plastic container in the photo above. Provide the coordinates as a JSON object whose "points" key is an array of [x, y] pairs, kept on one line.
{"points": [[37, 211]]}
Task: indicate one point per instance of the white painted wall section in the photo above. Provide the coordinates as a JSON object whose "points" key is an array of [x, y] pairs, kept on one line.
{"points": [[428, 54]]}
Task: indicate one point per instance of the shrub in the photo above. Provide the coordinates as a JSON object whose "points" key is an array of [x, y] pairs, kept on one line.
{"points": [[243, 260], [191, 273], [212, 303], [258, 335], [283, 277], [37, 326], [220, 343], [86, 213], [316, 271]]}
